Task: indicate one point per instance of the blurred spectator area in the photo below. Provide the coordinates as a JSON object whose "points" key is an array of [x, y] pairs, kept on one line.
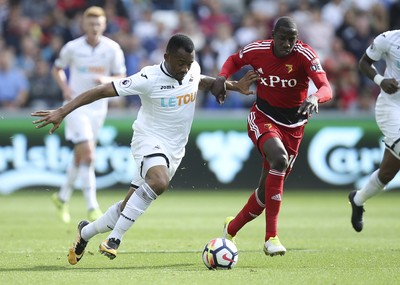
{"points": [[33, 31]]}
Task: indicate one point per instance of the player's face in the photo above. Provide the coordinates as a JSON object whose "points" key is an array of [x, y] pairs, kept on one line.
{"points": [[284, 40], [94, 26], [178, 63]]}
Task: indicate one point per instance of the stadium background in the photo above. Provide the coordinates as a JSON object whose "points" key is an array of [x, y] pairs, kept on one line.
{"points": [[342, 143]]}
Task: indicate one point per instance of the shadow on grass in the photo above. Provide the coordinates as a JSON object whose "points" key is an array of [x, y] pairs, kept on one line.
{"points": [[64, 268]]}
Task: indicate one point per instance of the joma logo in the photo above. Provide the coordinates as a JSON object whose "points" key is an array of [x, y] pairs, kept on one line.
{"points": [[167, 87]]}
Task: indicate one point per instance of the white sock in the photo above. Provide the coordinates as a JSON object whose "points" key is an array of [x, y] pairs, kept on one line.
{"points": [[88, 180], [135, 207], [103, 224], [373, 187], [67, 188]]}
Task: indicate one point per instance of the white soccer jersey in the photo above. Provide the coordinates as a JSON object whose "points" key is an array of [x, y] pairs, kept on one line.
{"points": [[168, 106], [85, 63], [386, 46]]}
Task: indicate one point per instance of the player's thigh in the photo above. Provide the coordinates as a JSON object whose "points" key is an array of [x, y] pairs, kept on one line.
{"points": [[149, 153], [389, 167], [388, 121]]}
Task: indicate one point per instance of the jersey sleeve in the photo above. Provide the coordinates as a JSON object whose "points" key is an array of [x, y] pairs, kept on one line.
{"points": [[235, 62], [136, 84], [377, 48], [318, 76], [64, 58]]}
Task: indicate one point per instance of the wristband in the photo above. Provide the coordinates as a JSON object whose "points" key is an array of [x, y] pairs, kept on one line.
{"points": [[378, 79]]}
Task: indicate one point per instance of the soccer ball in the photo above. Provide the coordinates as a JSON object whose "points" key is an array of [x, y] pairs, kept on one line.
{"points": [[220, 253]]}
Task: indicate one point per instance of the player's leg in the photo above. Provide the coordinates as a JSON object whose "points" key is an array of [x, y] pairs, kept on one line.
{"points": [[280, 147], [84, 157], [386, 115], [87, 230], [389, 167], [157, 177], [277, 159], [87, 171], [251, 210], [254, 206], [62, 197]]}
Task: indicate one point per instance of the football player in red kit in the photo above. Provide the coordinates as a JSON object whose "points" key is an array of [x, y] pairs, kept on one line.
{"points": [[277, 118]]}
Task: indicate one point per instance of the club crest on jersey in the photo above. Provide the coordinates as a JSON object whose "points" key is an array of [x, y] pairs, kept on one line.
{"points": [[191, 78], [289, 68], [125, 83], [316, 65], [268, 126]]}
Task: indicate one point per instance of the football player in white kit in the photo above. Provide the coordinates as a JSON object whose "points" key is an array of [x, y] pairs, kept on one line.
{"points": [[92, 59], [160, 132], [386, 46]]}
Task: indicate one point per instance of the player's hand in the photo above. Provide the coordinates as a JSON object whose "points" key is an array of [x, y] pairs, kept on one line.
{"points": [[48, 117], [218, 89], [390, 85], [309, 106], [246, 81]]}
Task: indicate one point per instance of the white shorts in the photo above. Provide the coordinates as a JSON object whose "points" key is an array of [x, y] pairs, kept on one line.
{"points": [[149, 152], [388, 120], [83, 125]]}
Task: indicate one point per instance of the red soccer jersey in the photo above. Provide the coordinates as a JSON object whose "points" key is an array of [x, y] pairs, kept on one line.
{"points": [[284, 81]]}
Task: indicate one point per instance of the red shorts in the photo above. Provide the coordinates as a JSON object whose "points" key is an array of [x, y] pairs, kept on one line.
{"points": [[261, 128]]}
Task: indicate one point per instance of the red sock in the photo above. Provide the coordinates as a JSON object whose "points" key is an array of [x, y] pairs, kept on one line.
{"points": [[249, 212], [273, 200]]}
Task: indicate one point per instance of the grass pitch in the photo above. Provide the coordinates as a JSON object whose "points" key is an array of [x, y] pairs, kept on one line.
{"points": [[165, 244]]}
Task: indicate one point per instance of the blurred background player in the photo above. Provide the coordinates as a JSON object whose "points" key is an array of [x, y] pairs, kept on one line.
{"points": [[91, 59], [386, 46], [277, 119], [168, 94]]}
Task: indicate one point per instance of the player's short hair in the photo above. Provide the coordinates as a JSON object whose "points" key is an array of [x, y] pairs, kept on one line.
{"points": [[94, 11], [285, 22], [178, 41]]}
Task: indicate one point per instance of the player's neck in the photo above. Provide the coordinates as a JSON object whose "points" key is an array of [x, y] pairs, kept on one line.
{"points": [[93, 41]]}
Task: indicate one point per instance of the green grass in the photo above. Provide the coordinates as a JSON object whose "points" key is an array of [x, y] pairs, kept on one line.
{"points": [[165, 244]]}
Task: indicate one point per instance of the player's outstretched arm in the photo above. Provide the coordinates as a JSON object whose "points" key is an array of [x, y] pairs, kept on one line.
{"points": [[55, 117], [219, 91], [207, 83], [244, 84]]}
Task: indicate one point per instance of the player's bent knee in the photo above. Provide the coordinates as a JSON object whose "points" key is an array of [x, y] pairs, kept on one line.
{"points": [[280, 163]]}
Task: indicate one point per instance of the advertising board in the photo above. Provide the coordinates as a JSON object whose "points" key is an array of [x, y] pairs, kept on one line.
{"points": [[336, 153]]}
